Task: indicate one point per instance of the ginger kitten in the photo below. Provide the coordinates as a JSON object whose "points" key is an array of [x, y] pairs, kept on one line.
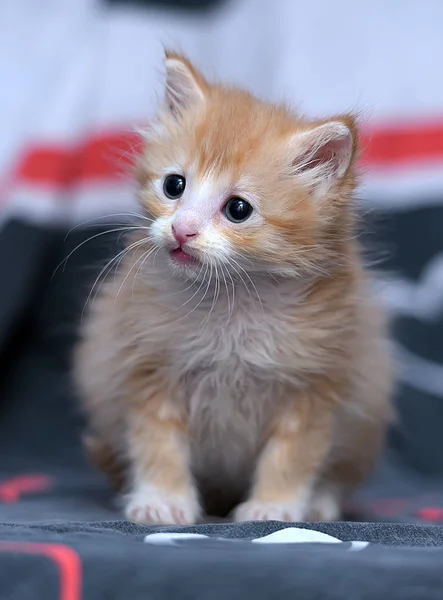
{"points": [[238, 361]]}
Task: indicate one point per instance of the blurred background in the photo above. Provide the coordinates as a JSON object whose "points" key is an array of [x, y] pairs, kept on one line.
{"points": [[77, 76]]}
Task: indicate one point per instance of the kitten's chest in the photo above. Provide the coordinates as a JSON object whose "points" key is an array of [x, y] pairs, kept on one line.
{"points": [[233, 345], [226, 376], [230, 386], [231, 363]]}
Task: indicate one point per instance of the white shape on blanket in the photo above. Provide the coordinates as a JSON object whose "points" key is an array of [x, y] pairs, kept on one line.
{"points": [[288, 535], [297, 535]]}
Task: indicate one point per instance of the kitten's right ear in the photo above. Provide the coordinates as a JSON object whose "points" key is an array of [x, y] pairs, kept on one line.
{"points": [[322, 155], [185, 86]]}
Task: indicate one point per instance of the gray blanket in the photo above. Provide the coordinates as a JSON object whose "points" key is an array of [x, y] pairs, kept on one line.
{"points": [[111, 560]]}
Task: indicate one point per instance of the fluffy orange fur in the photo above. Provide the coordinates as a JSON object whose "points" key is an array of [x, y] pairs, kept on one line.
{"points": [[253, 375]]}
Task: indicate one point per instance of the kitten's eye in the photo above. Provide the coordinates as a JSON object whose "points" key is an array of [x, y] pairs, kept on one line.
{"points": [[174, 186], [237, 210]]}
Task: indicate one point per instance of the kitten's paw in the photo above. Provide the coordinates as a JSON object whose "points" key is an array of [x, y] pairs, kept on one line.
{"points": [[325, 506], [253, 510], [151, 505]]}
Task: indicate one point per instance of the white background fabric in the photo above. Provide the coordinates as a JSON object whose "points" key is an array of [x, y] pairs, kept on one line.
{"points": [[71, 68]]}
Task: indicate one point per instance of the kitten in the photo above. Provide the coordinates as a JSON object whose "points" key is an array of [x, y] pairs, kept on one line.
{"points": [[238, 360]]}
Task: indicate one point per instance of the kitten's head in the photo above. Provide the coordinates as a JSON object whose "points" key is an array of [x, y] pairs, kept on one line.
{"points": [[234, 182]]}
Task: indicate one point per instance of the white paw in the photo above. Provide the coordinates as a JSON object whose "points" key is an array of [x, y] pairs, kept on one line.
{"points": [[270, 511], [151, 505]]}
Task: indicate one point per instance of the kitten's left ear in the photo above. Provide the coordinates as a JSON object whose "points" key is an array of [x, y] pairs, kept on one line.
{"points": [[322, 155], [185, 86]]}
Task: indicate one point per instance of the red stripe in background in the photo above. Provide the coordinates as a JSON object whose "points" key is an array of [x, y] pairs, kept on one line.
{"points": [[107, 156], [390, 147], [103, 157], [66, 559]]}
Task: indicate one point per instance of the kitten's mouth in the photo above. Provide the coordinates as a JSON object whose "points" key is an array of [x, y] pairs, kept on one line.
{"points": [[182, 257]]}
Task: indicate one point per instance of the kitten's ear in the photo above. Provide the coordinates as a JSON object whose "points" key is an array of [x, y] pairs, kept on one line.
{"points": [[323, 155], [185, 87]]}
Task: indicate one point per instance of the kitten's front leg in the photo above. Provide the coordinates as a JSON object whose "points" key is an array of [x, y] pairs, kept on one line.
{"points": [[162, 491], [289, 464]]}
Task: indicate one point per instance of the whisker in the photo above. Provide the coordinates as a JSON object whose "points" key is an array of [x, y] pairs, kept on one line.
{"points": [[146, 256], [192, 310], [97, 235], [252, 283], [199, 287], [233, 292], [242, 255], [186, 288], [205, 293], [105, 219], [105, 270], [214, 298], [237, 272], [150, 251], [227, 294]]}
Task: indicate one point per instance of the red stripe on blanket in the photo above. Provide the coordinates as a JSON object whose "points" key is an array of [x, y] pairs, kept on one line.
{"points": [[107, 156], [12, 489], [66, 559]]}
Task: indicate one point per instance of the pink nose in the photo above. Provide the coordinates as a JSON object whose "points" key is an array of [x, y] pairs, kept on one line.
{"points": [[183, 233]]}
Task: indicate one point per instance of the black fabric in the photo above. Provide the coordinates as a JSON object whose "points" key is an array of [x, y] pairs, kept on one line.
{"points": [[410, 245], [24, 252], [46, 298]]}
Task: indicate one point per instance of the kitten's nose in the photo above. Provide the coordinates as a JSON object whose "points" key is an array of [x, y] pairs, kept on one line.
{"points": [[183, 232]]}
